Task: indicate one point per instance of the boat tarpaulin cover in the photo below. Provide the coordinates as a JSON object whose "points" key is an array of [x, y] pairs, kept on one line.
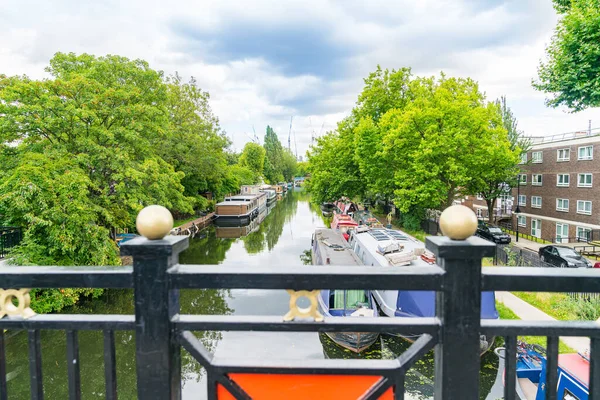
{"points": [[422, 304]]}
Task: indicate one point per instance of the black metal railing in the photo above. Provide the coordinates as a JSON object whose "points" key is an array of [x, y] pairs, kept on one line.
{"points": [[160, 330], [10, 236]]}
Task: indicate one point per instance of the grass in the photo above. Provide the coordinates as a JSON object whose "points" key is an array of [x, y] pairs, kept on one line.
{"points": [[507, 313], [487, 262], [179, 222], [557, 305]]}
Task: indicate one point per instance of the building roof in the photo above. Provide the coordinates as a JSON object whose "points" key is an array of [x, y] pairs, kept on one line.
{"points": [[540, 142]]}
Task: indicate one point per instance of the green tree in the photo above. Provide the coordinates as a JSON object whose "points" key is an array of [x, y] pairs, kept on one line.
{"points": [[301, 168], [289, 166], [104, 114], [439, 141], [331, 163], [274, 158], [253, 158], [194, 144], [571, 71], [499, 169]]}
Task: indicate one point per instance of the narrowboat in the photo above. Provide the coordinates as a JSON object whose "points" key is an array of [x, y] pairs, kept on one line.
{"points": [[573, 373], [343, 223], [284, 187], [327, 209], [241, 208], [328, 248], [365, 217], [345, 206], [382, 247], [271, 194], [125, 237]]}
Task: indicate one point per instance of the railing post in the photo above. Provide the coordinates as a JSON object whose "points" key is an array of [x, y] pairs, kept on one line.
{"points": [[458, 306], [158, 358]]}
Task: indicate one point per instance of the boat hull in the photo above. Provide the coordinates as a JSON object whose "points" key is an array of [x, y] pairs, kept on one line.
{"points": [[354, 341]]}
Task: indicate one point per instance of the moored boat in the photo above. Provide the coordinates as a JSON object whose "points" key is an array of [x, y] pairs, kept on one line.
{"points": [[383, 247], [327, 209], [271, 194], [242, 208], [573, 373], [365, 217], [328, 248], [345, 206], [343, 223], [284, 186]]}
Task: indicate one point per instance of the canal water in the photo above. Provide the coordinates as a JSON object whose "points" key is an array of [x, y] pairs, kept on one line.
{"points": [[283, 238]]}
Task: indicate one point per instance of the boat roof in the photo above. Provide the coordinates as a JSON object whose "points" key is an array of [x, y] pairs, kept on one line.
{"points": [[345, 257], [232, 203], [373, 238], [246, 196], [576, 366]]}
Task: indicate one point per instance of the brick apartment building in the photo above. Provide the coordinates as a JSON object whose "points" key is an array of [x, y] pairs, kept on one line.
{"points": [[559, 191]]}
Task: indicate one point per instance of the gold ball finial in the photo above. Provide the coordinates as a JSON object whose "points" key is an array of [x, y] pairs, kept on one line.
{"points": [[458, 222], [154, 222]]}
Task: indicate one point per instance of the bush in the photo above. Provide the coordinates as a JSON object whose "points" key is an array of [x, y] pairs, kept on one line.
{"points": [[45, 301], [586, 308]]}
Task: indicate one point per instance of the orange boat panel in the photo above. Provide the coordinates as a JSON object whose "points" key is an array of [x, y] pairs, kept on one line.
{"points": [[302, 387]]}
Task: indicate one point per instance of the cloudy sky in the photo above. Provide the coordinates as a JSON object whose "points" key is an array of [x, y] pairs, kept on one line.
{"points": [[265, 61]]}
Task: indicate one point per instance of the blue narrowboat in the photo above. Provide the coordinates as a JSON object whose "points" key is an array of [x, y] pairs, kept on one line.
{"points": [[329, 248], [573, 373]]}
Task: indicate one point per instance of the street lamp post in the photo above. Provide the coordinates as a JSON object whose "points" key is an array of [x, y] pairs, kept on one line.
{"points": [[518, 210]]}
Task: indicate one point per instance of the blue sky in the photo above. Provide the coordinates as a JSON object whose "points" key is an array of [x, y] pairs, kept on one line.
{"points": [[264, 61]]}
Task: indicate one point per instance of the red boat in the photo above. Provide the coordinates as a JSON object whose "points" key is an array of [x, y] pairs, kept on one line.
{"points": [[343, 222]]}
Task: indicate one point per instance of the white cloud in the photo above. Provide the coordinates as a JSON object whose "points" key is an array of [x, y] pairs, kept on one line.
{"points": [[498, 43]]}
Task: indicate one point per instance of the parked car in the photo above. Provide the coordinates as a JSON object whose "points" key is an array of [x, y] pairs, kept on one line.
{"points": [[563, 257], [492, 233]]}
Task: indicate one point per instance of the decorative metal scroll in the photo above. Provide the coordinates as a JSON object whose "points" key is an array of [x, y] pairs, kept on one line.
{"points": [[15, 303], [303, 312]]}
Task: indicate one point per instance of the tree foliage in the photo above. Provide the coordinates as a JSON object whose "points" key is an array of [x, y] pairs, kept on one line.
{"points": [[420, 142], [84, 150], [571, 71], [273, 157], [253, 158]]}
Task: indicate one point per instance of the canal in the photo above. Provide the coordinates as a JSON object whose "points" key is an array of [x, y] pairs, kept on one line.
{"points": [[283, 238]]}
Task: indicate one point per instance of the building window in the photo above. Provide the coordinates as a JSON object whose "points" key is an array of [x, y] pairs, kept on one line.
{"points": [[585, 153], [523, 179], [584, 180], [536, 201], [562, 180], [536, 228], [536, 180], [523, 158], [562, 205], [522, 200], [584, 207], [562, 233], [522, 220], [536, 157], [479, 197], [584, 234], [563, 154]]}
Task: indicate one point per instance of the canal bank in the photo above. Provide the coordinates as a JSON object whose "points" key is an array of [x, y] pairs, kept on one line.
{"points": [[283, 238]]}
